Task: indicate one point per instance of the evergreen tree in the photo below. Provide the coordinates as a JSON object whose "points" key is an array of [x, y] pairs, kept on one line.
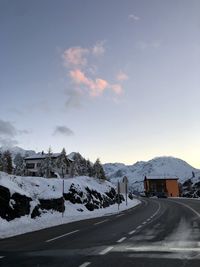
{"points": [[7, 162], [19, 164], [62, 163], [47, 165], [98, 170], [1, 162]]}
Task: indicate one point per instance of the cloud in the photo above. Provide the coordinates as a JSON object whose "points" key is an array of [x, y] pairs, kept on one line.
{"points": [[98, 49], [117, 89], [75, 56], [7, 129], [121, 76], [63, 130], [8, 142], [133, 17], [74, 98], [95, 87], [82, 70]]}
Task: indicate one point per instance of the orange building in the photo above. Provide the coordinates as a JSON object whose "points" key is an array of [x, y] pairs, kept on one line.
{"points": [[161, 186]]}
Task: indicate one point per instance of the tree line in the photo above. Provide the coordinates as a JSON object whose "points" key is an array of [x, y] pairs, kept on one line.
{"points": [[79, 166]]}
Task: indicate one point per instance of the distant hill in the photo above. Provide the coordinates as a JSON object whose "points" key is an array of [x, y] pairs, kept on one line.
{"points": [[160, 166], [15, 149]]}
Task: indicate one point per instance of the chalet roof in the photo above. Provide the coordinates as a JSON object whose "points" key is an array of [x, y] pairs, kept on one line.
{"points": [[43, 156], [161, 177]]}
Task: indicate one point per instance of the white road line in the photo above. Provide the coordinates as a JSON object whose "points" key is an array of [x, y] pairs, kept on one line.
{"points": [[193, 210], [1, 257], [85, 264], [144, 223], [105, 251], [139, 226], [120, 215], [148, 219], [60, 236], [121, 240], [101, 222], [132, 232]]}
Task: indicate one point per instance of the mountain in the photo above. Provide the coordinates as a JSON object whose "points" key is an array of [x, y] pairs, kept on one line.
{"points": [[15, 150], [160, 166]]}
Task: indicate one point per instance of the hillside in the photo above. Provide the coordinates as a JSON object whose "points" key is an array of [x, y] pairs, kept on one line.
{"points": [[160, 166], [33, 203]]}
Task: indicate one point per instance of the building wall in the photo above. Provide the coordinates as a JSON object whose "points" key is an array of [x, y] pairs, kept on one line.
{"points": [[172, 188]]}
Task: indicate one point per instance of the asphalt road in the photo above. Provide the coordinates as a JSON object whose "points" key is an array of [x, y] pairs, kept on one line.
{"points": [[159, 232]]}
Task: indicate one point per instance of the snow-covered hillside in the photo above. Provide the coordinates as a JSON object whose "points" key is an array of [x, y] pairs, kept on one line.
{"points": [[32, 203], [160, 166], [15, 150]]}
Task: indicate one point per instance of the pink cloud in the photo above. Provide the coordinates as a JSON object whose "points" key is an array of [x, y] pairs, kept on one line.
{"points": [[96, 87], [75, 56], [121, 76]]}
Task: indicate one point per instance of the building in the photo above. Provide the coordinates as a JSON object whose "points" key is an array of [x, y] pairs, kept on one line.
{"points": [[34, 163], [161, 186]]}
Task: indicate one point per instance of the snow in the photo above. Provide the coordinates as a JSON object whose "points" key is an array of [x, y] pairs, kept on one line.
{"points": [[43, 188], [26, 224], [160, 166]]}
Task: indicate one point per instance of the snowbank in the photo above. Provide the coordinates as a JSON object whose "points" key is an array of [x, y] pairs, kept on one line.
{"points": [[85, 197]]}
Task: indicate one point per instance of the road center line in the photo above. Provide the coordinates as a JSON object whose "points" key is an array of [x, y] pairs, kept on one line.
{"points": [[139, 226], [60, 236], [121, 240], [132, 232], [85, 264], [105, 251], [101, 222]]}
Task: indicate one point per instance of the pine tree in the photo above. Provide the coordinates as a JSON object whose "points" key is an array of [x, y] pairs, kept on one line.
{"points": [[62, 163], [7, 162], [1, 162], [46, 167], [98, 170], [19, 164]]}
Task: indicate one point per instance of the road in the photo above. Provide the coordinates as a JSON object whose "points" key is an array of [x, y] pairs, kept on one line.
{"points": [[158, 232]]}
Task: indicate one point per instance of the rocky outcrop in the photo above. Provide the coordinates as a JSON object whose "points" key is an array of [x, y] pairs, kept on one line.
{"points": [[13, 206], [91, 198]]}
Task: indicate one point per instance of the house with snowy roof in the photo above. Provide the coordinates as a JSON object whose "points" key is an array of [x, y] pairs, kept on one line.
{"points": [[59, 164], [162, 186]]}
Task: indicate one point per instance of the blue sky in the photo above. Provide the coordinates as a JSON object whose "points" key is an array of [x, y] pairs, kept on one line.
{"points": [[117, 80]]}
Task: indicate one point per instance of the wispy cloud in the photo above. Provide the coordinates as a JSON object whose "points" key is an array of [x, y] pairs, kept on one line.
{"points": [[63, 130], [122, 76], [7, 129], [98, 49], [75, 56], [74, 98], [133, 17], [8, 133]]}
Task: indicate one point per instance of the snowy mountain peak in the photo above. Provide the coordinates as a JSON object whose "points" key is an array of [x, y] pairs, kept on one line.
{"points": [[159, 166]]}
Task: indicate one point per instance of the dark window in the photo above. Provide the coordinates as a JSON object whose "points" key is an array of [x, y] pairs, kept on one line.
{"points": [[38, 164], [30, 165]]}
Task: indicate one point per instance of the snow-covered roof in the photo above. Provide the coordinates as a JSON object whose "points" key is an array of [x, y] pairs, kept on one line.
{"points": [[161, 177], [43, 156]]}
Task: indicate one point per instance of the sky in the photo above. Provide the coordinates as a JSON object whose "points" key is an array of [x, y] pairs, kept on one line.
{"points": [[118, 80]]}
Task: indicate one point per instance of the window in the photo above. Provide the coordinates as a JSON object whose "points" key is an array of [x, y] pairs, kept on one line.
{"points": [[30, 165]]}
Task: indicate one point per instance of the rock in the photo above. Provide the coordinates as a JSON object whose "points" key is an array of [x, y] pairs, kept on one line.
{"points": [[52, 204]]}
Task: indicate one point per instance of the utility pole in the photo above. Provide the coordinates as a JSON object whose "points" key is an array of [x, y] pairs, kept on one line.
{"points": [[118, 193], [63, 191]]}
